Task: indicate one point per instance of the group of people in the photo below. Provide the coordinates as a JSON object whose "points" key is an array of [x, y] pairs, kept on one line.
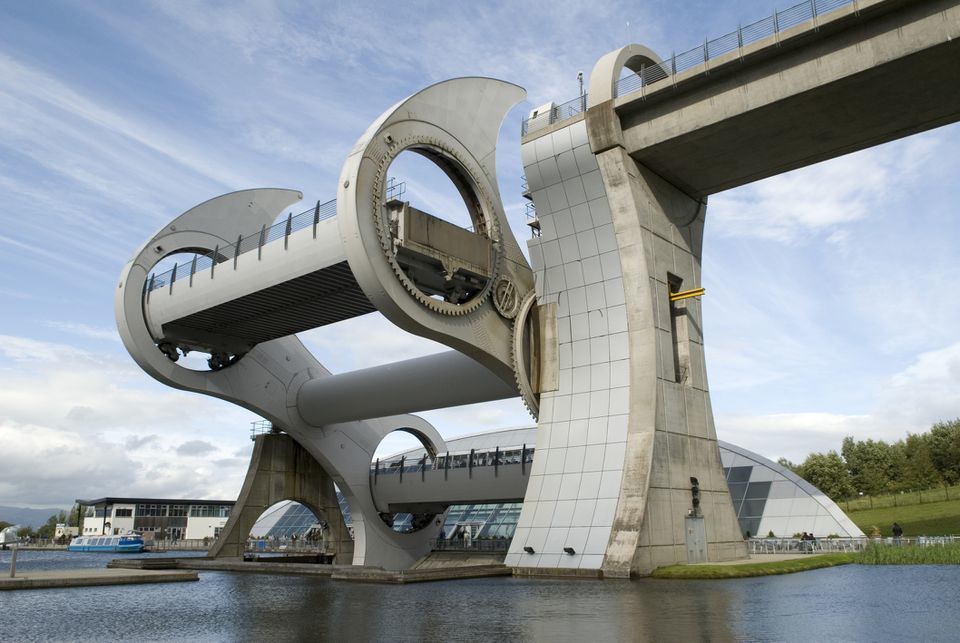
{"points": [[807, 541]]}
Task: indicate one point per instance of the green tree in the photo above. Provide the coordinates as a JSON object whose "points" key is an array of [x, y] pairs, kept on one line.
{"points": [[73, 516], [828, 473], [49, 529], [944, 444], [4, 525], [897, 467], [872, 465], [919, 471], [786, 464]]}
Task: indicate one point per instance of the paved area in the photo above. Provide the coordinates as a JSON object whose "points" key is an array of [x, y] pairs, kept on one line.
{"points": [[763, 558], [88, 577]]}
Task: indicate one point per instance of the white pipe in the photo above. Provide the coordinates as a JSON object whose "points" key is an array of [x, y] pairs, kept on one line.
{"points": [[420, 384]]}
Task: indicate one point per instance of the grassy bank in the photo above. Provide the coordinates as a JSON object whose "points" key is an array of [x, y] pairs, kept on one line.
{"points": [[748, 570], [874, 554], [939, 494], [878, 554], [928, 519]]}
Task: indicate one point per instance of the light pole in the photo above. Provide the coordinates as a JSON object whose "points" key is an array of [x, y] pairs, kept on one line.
{"points": [[583, 106]]}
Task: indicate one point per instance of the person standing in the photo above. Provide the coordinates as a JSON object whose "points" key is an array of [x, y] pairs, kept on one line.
{"points": [[897, 533]]}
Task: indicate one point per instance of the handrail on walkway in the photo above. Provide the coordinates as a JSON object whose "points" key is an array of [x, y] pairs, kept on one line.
{"points": [[745, 35], [821, 545], [281, 230]]}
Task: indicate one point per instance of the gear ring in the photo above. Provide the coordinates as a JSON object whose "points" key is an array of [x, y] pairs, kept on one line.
{"points": [[520, 374], [484, 209]]}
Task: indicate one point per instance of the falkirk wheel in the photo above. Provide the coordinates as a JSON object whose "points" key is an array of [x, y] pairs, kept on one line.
{"points": [[586, 333]]}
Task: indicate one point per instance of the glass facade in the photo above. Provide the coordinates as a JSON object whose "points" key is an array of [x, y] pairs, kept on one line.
{"points": [[769, 498], [766, 497], [295, 521], [209, 511]]}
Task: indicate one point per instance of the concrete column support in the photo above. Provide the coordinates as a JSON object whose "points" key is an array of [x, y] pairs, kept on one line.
{"points": [[280, 469], [630, 422], [671, 435], [670, 432]]}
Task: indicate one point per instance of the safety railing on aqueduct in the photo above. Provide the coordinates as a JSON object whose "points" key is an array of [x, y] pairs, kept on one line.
{"points": [[281, 230], [475, 458], [745, 35]]}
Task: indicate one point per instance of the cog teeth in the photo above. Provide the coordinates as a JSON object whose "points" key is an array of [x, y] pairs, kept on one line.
{"points": [[493, 226], [520, 376]]}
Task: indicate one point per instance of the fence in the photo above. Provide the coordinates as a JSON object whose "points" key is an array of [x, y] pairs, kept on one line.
{"points": [[262, 427], [282, 230], [180, 544], [478, 545], [772, 25], [199, 263], [796, 545], [826, 545], [285, 545], [903, 499]]}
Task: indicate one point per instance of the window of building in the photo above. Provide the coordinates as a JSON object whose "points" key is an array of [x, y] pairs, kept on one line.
{"points": [[209, 511]]}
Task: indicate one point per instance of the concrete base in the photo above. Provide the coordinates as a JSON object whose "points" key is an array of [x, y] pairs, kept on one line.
{"points": [[453, 559], [558, 572], [378, 575], [90, 577], [256, 566], [280, 469]]}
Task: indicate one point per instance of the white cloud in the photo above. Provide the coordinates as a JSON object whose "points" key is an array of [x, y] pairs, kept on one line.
{"points": [[816, 200], [84, 330], [912, 400], [43, 465], [370, 340], [194, 448], [79, 423], [35, 99]]}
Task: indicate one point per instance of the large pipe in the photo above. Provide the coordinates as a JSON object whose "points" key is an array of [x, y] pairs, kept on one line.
{"points": [[420, 384]]}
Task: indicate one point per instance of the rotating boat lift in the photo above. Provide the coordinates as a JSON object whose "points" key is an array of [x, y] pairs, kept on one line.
{"points": [[469, 289], [600, 334]]}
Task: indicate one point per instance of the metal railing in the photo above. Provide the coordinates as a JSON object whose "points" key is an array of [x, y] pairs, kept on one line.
{"points": [[262, 427], [286, 545], [797, 545], [495, 457], [710, 49], [472, 545], [822, 545], [179, 544], [282, 230], [558, 113]]}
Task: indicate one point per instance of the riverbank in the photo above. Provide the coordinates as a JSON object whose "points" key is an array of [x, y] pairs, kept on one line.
{"points": [[774, 564], [756, 565], [92, 577]]}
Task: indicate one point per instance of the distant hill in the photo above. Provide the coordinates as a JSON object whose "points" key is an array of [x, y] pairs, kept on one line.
{"points": [[26, 517]]}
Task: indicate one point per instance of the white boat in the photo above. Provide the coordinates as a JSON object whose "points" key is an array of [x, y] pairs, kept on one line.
{"points": [[121, 543]]}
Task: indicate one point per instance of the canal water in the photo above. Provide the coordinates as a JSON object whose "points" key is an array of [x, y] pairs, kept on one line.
{"points": [[849, 603]]}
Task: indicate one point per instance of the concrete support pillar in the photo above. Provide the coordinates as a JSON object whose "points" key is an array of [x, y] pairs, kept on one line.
{"points": [[671, 435], [281, 469], [629, 423]]}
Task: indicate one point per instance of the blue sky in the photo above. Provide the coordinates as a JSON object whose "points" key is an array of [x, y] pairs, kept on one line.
{"points": [[831, 305]]}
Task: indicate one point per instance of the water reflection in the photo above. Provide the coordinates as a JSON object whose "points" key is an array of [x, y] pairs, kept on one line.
{"points": [[843, 603]]}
